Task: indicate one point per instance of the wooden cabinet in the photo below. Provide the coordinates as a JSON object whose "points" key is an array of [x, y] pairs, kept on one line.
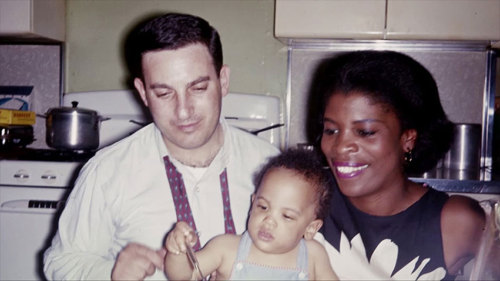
{"points": [[388, 19], [330, 19], [443, 19], [33, 19]]}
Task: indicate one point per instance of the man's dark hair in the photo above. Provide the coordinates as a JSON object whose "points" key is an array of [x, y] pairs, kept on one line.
{"points": [[171, 32]]}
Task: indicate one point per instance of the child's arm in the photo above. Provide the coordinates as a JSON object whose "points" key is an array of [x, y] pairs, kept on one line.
{"points": [[217, 255], [177, 265], [320, 262]]}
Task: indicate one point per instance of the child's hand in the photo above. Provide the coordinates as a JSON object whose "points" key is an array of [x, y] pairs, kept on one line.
{"points": [[179, 237]]}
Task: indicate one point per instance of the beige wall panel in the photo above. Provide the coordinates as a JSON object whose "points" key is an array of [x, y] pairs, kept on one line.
{"points": [[96, 30]]}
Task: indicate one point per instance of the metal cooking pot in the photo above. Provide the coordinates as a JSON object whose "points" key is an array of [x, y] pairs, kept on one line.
{"points": [[15, 135], [463, 160], [72, 128]]}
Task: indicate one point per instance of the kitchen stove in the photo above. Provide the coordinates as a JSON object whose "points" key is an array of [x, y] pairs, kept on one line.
{"points": [[49, 155], [32, 194], [34, 183]]}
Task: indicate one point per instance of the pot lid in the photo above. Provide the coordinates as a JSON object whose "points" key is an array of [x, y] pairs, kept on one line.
{"points": [[74, 108]]}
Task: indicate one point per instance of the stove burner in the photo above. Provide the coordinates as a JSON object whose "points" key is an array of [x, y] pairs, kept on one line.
{"points": [[19, 153]]}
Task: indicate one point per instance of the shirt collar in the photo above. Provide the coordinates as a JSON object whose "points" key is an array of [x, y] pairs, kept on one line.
{"points": [[223, 154]]}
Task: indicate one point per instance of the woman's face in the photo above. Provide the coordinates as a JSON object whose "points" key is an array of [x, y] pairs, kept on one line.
{"points": [[363, 145]]}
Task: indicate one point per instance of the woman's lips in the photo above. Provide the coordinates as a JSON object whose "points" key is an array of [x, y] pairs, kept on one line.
{"points": [[349, 170]]}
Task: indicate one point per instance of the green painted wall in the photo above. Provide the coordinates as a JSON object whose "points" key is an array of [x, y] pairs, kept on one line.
{"points": [[95, 31]]}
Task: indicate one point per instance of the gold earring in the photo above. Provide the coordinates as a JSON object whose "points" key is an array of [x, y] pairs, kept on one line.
{"points": [[408, 157]]}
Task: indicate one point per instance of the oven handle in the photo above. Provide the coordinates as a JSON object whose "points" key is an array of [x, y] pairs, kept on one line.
{"points": [[31, 206]]}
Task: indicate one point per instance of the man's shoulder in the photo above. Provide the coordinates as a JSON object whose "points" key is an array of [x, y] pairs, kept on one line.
{"points": [[136, 145], [250, 143], [123, 162]]}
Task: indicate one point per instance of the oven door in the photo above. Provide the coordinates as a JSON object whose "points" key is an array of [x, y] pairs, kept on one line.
{"points": [[28, 218]]}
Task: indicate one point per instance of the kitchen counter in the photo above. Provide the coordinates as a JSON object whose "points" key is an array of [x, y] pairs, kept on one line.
{"points": [[462, 186]]}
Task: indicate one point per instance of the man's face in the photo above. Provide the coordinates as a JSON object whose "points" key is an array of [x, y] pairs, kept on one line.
{"points": [[184, 94]]}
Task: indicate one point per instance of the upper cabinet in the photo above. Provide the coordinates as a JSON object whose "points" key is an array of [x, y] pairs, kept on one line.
{"points": [[443, 19], [389, 19], [363, 19], [33, 19]]}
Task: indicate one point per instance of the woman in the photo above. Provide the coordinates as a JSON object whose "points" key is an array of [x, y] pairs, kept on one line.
{"points": [[382, 120]]}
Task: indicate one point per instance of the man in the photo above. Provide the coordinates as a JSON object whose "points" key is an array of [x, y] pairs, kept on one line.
{"points": [[188, 165]]}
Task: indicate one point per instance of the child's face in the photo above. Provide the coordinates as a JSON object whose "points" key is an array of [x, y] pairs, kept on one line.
{"points": [[283, 210]]}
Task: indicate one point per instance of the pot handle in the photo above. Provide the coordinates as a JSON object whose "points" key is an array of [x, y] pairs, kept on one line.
{"points": [[142, 124], [255, 132]]}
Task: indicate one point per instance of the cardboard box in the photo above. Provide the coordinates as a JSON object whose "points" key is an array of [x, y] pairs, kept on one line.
{"points": [[17, 117], [16, 97]]}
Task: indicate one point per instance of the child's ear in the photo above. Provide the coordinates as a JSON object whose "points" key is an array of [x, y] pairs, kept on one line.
{"points": [[312, 228]]}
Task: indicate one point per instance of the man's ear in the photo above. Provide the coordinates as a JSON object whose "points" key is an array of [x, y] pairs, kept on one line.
{"points": [[312, 228], [224, 79], [139, 86]]}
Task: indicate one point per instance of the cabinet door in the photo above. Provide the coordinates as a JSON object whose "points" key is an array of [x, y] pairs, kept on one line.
{"points": [[443, 19], [362, 19], [33, 18], [15, 16]]}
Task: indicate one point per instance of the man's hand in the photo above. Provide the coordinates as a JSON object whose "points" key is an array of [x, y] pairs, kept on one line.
{"points": [[137, 261]]}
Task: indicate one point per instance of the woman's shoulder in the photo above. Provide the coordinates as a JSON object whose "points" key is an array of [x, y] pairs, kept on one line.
{"points": [[463, 218], [464, 209], [462, 225]]}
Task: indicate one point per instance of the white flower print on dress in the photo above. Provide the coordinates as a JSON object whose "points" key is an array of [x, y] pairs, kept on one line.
{"points": [[351, 262]]}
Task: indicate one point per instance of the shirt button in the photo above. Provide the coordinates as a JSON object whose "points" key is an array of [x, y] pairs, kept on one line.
{"points": [[239, 266]]}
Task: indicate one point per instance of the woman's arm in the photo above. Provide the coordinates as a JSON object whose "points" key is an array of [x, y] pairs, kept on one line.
{"points": [[462, 226]]}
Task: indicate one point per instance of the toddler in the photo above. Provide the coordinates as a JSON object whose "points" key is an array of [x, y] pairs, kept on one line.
{"points": [[288, 207]]}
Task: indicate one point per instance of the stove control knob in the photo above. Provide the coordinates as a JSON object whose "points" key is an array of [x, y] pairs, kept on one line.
{"points": [[21, 176], [49, 177]]}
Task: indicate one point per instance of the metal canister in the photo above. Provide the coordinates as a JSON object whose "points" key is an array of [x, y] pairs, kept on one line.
{"points": [[463, 160]]}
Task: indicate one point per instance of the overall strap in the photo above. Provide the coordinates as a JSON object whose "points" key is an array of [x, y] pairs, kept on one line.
{"points": [[303, 257]]}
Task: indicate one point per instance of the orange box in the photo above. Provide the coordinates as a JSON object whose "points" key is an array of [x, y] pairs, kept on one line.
{"points": [[17, 117]]}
